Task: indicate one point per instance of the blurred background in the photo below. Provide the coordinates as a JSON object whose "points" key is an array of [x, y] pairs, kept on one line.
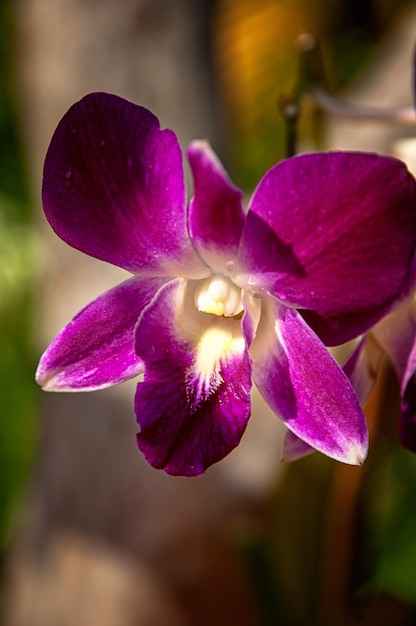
{"points": [[89, 533]]}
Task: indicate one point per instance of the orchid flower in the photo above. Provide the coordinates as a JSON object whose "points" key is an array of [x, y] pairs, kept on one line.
{"points": [[221, 297]]}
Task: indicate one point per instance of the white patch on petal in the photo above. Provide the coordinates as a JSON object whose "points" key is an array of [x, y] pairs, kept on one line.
{"points": [[219, 342]]}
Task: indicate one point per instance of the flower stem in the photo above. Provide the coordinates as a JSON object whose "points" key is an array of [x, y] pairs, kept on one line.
{"points": [[331, 104], [290, 110]]}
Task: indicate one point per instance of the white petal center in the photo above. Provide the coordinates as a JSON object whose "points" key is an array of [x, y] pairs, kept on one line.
{"points": [[219, 296]]}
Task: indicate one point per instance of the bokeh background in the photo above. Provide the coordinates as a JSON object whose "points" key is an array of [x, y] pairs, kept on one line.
{"points": [[89, 534]]}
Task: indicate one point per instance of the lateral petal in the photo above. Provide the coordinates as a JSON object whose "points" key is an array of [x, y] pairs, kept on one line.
{"points": [[305, 386], [96, 349], [194, 402], [340, 230], [113, 187], [215, 215], [361, 368]]}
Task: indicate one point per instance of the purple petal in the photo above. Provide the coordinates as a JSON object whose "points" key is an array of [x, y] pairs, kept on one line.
{"points": [[334, 233], [305, 386], [194, 403], [295, 448], [216, 216], [96, 349], [114, 188], [361, 368]]}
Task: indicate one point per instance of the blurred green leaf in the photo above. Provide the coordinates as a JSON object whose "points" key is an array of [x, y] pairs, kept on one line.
{"points": [[390, 524], [17, 389]]}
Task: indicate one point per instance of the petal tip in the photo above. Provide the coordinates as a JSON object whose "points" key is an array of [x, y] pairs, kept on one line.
{"points": [[356, 454], [48, 383]]}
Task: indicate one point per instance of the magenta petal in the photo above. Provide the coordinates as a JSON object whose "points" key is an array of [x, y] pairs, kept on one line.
{"points": [[96, 349], [361, 368], [114, 188], [295, 448], [340, 231], [305, 386], [194, 403], [216, 215]]}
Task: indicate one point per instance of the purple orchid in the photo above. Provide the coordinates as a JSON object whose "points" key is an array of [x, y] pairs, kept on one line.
{"points": [[221, 297]]}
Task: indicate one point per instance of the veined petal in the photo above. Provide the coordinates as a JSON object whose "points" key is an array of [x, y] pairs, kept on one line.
{"points": [[341, 233], [216, 215], [194, 403], [96, 349], [305, 386], [361, 368], [114, 188]]}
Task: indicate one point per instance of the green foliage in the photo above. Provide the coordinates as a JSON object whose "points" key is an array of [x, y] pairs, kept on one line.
{"points": [[389, 523], [17, 389]]}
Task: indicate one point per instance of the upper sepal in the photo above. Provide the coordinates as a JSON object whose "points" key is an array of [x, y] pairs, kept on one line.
{"points": [[113, 187]]}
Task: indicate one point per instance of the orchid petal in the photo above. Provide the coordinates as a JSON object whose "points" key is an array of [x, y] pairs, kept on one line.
{"points": [[295, 448], [96, 349], [114, 188], [194, 403], [333, 233], [305, 386], [216, 216], [361, 368]]}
